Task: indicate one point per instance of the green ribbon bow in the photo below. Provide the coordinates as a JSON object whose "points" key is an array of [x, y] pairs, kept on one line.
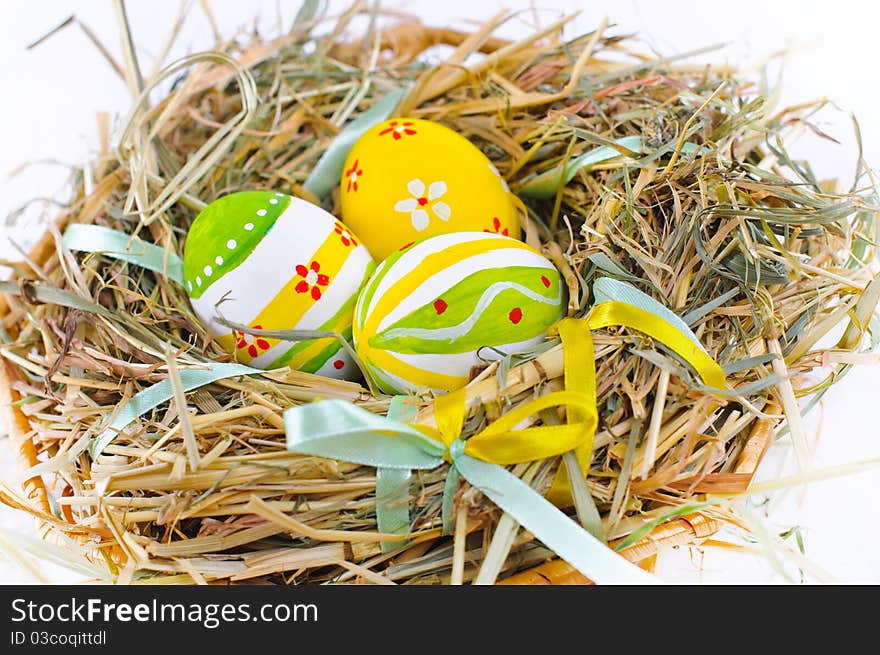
{"points": [[340, 430]]}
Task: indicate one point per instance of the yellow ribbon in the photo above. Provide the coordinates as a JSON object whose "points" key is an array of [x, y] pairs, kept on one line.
{"points": [[576, 338], [500, 443], [613, 312]]}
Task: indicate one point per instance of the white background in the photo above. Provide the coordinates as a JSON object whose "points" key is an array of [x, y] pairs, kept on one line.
{"points": [[51, 94]]}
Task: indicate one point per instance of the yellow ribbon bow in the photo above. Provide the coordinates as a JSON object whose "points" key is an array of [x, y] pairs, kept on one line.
{"points": [[500, 443]]}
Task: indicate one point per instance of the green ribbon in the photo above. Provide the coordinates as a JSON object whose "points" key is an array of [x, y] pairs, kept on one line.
{"points": [[340, 430], [453, 479], [120, 245], [546, 184], [153, 396], [392, 484], [328, 171]]}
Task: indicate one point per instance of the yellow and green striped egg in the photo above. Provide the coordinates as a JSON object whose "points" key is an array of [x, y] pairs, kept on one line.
{"points": [[274, 262], [427, 315]]}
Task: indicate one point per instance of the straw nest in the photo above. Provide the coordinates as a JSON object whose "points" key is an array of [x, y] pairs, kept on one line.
{"points": [[760, 258]]}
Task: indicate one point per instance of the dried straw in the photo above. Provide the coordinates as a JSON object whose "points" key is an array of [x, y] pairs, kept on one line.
{"points": [[710, 215]]}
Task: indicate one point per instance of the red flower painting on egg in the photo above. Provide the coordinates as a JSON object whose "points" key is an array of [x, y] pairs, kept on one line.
{"points": [[312, 279], [398, 129], [243, 342], [353, 174], [496, 227], [345, 236]]}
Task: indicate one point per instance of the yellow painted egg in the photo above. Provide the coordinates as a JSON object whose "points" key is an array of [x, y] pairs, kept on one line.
{"points": [[435, 309], [406, 179], [274, 262]]}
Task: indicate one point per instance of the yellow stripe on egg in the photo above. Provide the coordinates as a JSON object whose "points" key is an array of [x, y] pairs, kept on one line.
{"points": [[289, 306], [335, 296], [417, 376]]}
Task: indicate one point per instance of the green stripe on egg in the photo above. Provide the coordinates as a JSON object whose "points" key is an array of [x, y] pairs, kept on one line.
{"points": [[318, 361], [470, 311], [226, 232], [333, 350]]}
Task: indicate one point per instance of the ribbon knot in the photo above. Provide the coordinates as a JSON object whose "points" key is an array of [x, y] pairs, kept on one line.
{"points": [[504, 441], [455, 450]]}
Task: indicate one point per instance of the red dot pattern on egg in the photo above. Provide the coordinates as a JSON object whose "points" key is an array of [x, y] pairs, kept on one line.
{"points": [[515, 315], [338, 364], [440, 305], [545, 281]]}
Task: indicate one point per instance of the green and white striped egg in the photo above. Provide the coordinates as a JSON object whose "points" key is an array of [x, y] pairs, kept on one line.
{"points": [[274, 262], [431, 306]]}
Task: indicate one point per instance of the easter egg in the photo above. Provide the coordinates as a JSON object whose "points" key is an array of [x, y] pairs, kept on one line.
{"points": [[432, 307], [274, 262], [406, 179]]}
